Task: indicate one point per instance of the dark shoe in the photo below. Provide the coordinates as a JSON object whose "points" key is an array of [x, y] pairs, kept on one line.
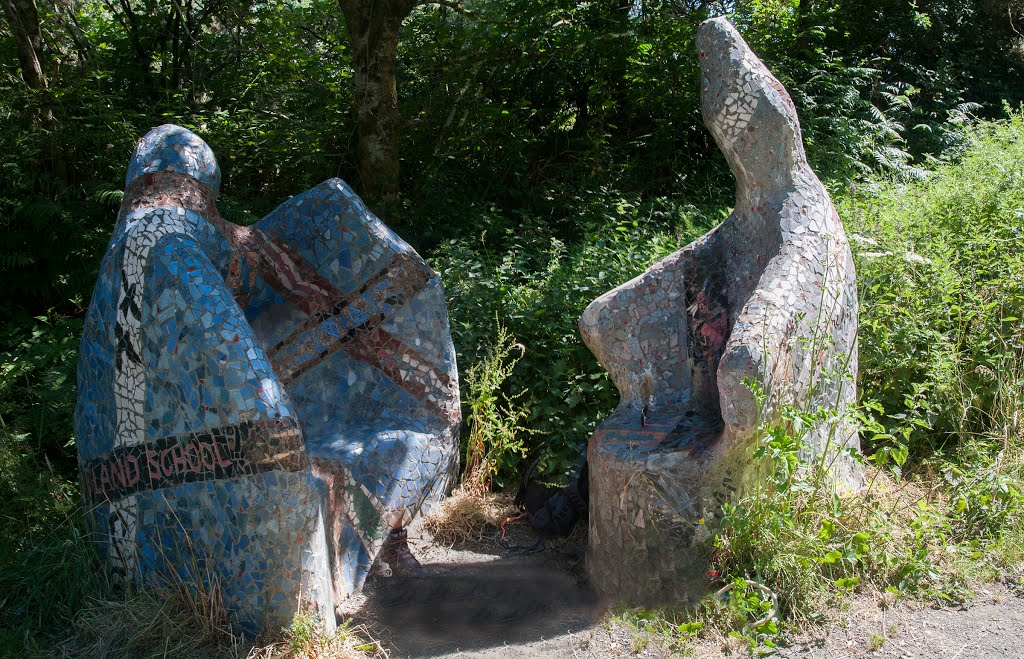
{"points": [[396, 554]]}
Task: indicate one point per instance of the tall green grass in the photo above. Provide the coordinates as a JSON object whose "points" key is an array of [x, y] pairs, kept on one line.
{"points": [[941, 280]]}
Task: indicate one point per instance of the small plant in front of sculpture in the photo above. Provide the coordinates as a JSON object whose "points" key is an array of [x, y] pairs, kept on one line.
{"points": [[749, 612], [800, 535], [810, 543], [305, 639], [787, 502], [495, 416], [741, 610]]}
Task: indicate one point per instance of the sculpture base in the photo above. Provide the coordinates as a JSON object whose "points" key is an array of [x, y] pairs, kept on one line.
{"points": [[647, 539]]}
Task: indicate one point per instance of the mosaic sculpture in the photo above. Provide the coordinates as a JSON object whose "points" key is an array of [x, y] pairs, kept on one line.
{"points": [[767, 297], [259, 407]]}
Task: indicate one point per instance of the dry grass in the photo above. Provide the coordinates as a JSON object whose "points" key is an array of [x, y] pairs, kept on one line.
{"points": [[163, 623], [304, 640], [469, 515], [182, 617], [898, 498], [180, 623]]}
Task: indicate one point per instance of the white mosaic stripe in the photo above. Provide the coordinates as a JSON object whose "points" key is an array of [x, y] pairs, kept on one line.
{"points": [[142, 234]]}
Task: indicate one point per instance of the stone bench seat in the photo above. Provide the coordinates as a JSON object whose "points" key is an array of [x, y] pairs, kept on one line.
{"points": [[766, 298], [649, 470]]}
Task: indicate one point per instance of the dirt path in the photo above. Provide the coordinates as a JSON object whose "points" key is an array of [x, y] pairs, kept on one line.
{"points": [[990, 626], [482, 602]]}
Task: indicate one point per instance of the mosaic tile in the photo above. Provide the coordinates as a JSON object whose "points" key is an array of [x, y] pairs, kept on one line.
{"points": [[255, 402], [768, 296]]}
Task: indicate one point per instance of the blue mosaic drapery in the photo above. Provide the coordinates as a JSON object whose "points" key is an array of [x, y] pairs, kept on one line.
{"points": [[256, 402]]}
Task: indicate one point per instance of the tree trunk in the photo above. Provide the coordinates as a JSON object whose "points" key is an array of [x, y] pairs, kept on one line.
{"points": [[23, 17], [24, 20], [373, 27]]}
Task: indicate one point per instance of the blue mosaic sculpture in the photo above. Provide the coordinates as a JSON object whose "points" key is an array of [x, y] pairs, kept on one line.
{"points": [[259, 405]]}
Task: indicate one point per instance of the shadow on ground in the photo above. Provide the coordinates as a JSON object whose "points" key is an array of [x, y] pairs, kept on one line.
{"points": [[474, 606]]}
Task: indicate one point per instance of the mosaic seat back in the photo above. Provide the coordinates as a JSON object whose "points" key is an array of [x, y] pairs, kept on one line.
{"points": [[355, 325], [768, 297], [232, 378]]}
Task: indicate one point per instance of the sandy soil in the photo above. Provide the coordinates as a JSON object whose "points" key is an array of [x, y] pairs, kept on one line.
{"points": [[483, 601]]}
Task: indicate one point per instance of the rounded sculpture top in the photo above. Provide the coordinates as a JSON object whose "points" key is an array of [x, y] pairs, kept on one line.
{"points": [[747, 110], [171, 148]]}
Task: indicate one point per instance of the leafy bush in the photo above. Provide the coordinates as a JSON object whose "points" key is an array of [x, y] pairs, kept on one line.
{"points": [[47, 562], [37, 399], [942, 294], [538, 286]]}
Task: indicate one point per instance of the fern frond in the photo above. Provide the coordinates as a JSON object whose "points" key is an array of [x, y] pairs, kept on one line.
{"points": [[109, 197]]}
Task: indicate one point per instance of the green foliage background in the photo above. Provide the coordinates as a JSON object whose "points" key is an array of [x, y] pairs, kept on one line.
{"points": [[552, 150]]}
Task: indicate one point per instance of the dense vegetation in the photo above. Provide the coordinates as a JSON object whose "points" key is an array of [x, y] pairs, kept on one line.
{"points": [[550, 149]]}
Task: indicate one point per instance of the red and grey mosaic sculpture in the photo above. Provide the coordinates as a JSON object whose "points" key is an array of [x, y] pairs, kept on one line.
{"points": [[256, 402], [769, 297]]}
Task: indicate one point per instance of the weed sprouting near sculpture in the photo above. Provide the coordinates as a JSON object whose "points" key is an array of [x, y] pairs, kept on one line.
{"points": [[261, 409], [765, 302]]}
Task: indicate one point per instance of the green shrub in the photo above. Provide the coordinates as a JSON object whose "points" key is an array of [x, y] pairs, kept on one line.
{"points": [[538, 286], [47, 561], [941, 287], [37, 400]]}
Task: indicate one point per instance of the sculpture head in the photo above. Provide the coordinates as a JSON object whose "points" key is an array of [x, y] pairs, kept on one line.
{"points": [[747, 110], [171, 148]]}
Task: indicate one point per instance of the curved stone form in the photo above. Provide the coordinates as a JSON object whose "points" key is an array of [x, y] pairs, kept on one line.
{"points": [[769, 296], [255, 402]]}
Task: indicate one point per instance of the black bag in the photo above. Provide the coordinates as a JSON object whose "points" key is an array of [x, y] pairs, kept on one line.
{"points": [[555, 512]]}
